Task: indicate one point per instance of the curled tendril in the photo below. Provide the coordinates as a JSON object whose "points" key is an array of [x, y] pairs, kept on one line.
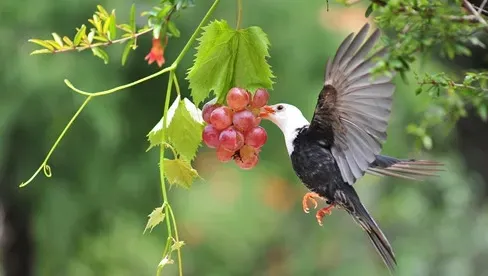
{"points": [[47, 170]]}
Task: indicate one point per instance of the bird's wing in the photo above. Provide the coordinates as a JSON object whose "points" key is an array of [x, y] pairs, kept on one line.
{"points": [[353, 108]]}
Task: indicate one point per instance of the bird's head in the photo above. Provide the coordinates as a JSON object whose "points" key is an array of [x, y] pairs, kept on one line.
{"points": [[287, 117]]}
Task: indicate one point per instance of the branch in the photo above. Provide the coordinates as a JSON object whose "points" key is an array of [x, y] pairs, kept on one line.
{"points": [[102, 44], [474, 12]]}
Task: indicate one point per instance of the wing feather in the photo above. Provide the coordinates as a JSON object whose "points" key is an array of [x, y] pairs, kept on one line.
{"points": [[353, 108]]}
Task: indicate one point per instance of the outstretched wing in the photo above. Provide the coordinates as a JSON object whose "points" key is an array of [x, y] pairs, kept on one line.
{"points": [[353, 108]]}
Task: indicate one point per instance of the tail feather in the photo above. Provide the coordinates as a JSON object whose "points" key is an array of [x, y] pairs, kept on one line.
{"points": [[404, 168], [349, 200]]}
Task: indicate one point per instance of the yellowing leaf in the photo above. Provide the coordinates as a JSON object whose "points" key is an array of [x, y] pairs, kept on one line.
{"points": [[179, 172], [165, 261], [177, 245], [226, 58], [79, 35], [58, 39], [41, 51], [155, 218], [187, 129], [43, 43]]}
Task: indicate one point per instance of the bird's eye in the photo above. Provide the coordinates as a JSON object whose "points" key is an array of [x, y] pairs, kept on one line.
{"points": [[280, 107]]}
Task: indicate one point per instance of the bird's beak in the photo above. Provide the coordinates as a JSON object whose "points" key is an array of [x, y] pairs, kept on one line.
{"points": [[266, 111]]}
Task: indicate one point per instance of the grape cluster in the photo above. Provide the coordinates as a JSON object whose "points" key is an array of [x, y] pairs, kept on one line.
{"points": [[234, 129]]}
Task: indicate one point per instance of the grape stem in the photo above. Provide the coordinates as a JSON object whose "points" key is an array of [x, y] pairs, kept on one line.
{"points": [[239, 14], [90, 95]]}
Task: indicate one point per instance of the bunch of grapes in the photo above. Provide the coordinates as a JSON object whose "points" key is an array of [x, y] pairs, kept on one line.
{"points": [[234, 129]]}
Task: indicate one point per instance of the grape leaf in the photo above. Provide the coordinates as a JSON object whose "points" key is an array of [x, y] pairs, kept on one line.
{"points": [[155, 218], [155, 135], [179, 172], [226, 58]]}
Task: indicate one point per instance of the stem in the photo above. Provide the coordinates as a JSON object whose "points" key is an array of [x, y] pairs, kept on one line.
{"points": [[195, 33], [118, 88], [180, 264], [177, 85], [44, 165], [161, 151], [239, 14]]}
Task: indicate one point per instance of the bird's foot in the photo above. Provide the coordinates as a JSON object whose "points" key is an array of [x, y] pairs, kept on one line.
{"points": [[324, 211], [311, 197]]}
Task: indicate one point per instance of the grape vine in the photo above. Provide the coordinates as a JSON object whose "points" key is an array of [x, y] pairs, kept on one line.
{"points": [[181, 126]]}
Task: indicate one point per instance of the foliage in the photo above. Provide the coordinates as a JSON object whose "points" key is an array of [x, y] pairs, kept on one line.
{"points": [[424, 28], [227, 58]]}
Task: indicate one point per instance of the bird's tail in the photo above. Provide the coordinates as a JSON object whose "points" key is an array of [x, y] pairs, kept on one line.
{"points": [[404, 168], [351, 202]]}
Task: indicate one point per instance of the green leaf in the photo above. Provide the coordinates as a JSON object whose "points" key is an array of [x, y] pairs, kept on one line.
{"points": [[42, 43], [58, 39], [184, 132], [226, 58], [155, 218], [483, 112], [179, 172], [79, 35], [106, 25], [102, 10], [41, 51], [427, 141], [173, 30], [369, 10], [184, 128], [101, 54], [132, 20], [112, 28], [126, 52]]}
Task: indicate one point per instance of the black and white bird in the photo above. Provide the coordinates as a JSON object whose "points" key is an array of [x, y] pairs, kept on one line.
{"points": [[344, 139]]}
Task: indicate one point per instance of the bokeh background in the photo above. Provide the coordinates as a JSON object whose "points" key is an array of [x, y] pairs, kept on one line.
{"points": [[89, 217]]}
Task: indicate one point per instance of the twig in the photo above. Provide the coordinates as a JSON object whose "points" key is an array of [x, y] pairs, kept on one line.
{"points": [[474, 12], [482, 7], [102, 44]]}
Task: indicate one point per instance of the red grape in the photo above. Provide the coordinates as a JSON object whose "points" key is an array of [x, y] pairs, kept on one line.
{"points": [[207, 110], [247, 165], [248, 157], [260, 98], [210, 136], [244, 120], [257, 121], [221, 117], [224, 155], [256, 137], [231, 139], [237, 98]]}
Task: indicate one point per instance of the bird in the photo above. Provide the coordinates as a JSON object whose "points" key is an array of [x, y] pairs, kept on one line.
{"points": [[344, 139]]}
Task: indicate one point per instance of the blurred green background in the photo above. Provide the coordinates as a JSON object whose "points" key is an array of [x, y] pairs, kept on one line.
{"points": [[89, 217]]}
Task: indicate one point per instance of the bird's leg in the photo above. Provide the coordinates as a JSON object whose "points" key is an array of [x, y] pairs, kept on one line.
{"points": [[311, 197], [324, 211]]}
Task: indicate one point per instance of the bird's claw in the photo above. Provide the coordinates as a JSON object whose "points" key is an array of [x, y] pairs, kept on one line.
{"points": [[322, 212], [311, 197]]}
